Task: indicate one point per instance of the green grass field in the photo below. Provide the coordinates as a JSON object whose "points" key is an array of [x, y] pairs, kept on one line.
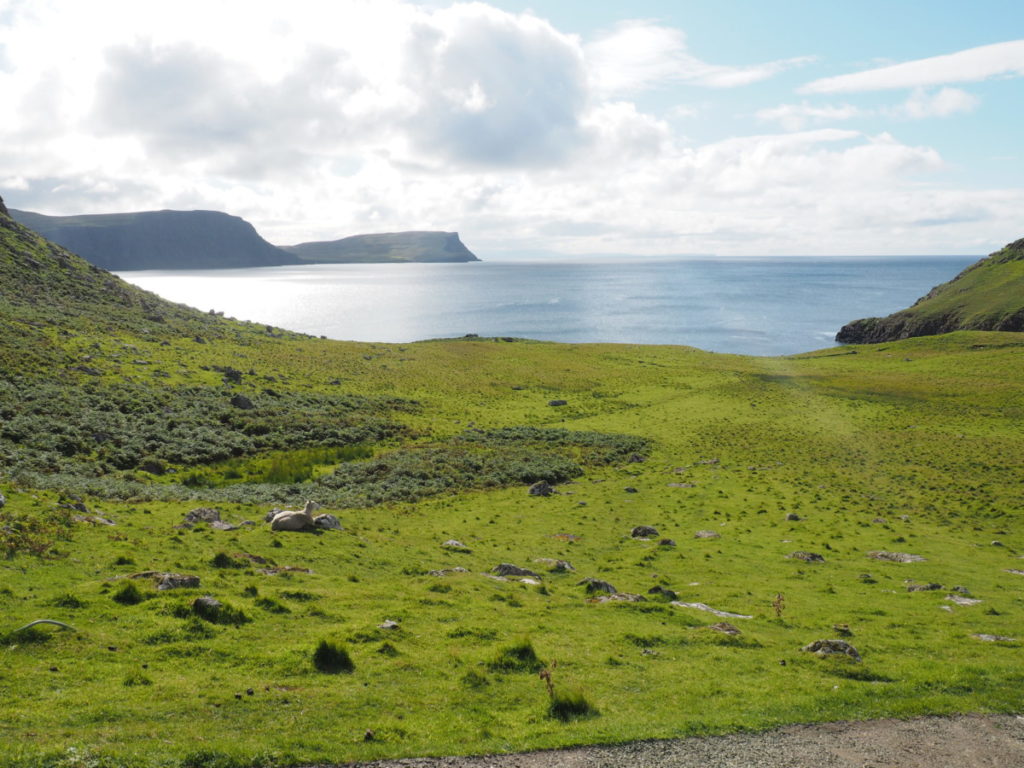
{"points": [[911, 447]]}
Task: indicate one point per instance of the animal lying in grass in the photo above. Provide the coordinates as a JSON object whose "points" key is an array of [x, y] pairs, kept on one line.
{"points": [[294, 520]]}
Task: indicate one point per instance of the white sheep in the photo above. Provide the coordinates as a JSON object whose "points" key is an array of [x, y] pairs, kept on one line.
{"points": [[293, 519]]}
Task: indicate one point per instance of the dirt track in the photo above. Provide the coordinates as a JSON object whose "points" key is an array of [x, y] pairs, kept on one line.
{"points": [[968, 741]]}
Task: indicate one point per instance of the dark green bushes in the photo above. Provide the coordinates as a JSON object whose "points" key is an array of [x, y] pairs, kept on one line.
{"points": [[570, 705], [519, 657], [332, 658]]}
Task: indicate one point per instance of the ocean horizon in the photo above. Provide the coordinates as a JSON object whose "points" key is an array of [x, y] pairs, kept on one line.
{"points": [[767, 305]]}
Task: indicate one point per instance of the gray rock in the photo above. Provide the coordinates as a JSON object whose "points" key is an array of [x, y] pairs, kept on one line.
{"points": [[707, 535], [389, 624], [557, 403], [636, 458], [220, 525], [507, 569], [455, 545], [807, 557], [447, 571], [667, 543], [629, 489], [995, 638], [596, 585], [725, 628], [3, 501], [663, 592], [177, 581], [327, 522], [201, 515], [896, 557], [793, 517], [625, 597], [556, 566], [823, 648], [923, 587], [541, 488], [644, 532]]}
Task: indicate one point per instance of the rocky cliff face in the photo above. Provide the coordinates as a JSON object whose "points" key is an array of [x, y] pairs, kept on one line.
{"points": [[159, 239], [386, 247], [987, 296]]}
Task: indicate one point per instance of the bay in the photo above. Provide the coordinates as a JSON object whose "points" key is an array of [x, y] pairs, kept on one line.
{"points": [[752, 306]]}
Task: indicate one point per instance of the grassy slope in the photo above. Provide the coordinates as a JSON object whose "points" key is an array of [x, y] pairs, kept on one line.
{"points": [[988, 295], [927, 428]]}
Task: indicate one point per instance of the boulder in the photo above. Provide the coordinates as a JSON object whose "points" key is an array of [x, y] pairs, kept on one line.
{"points": [[207, 607], [823, 648], [663, 592], [725, 628], [327, 522], [596, 585], [507, 569], [896, 557], [541, 488], [807, 557], [644, 532], [201, 515], [177, 581]]}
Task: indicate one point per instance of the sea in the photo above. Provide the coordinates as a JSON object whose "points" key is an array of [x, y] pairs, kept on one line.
{"points": [[753, 306]]}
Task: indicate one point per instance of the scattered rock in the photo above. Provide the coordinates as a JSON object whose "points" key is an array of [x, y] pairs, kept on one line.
{"points": [[1014, 570], [327, 522], [794, 517], [708, 461], [896, 557], [92, 520], [644, 532], [221, 525], [807, 557], [905, 518], [707, 535], [880, 521], [541, 488], [389, 624], [725, 628], [667, 543], [995, 638], [507, 569], [557, 403], [274, 570], [682, 485], [624, 597], [177, 581], [201, 515], [636, 458], [961, 600], [823, 648], [923, 587], [447, 571], [556, 566], [843, 630], [661, 591], [997, 543], [709, 609], [206, 607], [961, 590], [596, 585]]}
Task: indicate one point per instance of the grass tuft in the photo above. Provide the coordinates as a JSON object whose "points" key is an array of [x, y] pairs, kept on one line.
{"points": [[332, 658]]}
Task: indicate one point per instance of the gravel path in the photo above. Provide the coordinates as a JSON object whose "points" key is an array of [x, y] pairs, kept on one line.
{"points": [[963, 741]]}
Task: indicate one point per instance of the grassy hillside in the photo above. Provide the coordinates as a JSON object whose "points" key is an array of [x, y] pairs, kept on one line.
{"points": [[386, 247], [987, 296], [159, 239], [912, 447]]}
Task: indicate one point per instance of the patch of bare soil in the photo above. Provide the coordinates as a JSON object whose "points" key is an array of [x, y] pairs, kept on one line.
{"points": [[962, 741]]}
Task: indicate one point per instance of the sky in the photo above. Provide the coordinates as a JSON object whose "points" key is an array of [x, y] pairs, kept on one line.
{"points": [[569, 127]]}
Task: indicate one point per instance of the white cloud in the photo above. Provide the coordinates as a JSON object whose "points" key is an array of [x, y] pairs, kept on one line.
{"points": [[943, 103], [795, 117], [638, 55], [970, 65]]}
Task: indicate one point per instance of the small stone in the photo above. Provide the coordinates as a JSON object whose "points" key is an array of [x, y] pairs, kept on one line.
{"points": [[707, 535], [663, 592], [541, 488], [880, 520], [923, 587], [557, 403], [824, 648], [456, 545], [644, 532], [250, 692], [961, 600], [636, 458], [202, 515], [896, 557], [794, 517], [997, 543], [507, 569], [3, 501], [238, 696], [389, 624], [369, 735], [629, 489], [176, 581], [667, 543], [995, 638], [596, 585], [807, 557], [726, 628]]}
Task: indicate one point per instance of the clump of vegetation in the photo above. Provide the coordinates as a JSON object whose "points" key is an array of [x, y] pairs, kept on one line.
{"points": [[332, 658], [224, 560], [32, 534], [128, 594], [518, 657], [570, 705]]}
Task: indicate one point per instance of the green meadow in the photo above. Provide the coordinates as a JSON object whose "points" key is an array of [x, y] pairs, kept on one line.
{"points": [[135, 412]]}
